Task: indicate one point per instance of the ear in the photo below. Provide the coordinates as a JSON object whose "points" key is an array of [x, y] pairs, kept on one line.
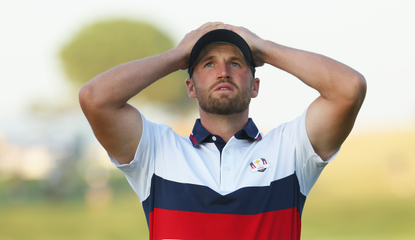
{"points": [[190, 88], [255, 88]]}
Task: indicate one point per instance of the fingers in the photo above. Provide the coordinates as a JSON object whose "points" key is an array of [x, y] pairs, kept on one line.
{"points": [[237, 29], [254, 42], [189, 40], [230, 27], [194, 35], [210, 26]]}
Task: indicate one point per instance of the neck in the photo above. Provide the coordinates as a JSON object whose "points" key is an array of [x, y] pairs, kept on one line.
{"points": [[224, 126]]}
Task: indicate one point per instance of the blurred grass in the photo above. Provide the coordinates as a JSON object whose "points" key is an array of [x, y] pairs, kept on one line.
{"points": [[122, 219], [368, 193], [360, 219]]}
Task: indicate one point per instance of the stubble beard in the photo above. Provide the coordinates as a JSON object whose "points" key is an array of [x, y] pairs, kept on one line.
{"points": [[224, 104]]}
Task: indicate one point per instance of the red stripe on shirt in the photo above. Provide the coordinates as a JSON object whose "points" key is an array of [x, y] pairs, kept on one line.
{"points": [[171, 224]]}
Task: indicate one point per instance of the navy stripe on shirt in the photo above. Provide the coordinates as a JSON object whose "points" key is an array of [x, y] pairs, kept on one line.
{"points": [[280, 194]]}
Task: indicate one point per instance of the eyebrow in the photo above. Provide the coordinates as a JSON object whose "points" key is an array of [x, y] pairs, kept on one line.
{"points": [[208, 58], [239, 58]]}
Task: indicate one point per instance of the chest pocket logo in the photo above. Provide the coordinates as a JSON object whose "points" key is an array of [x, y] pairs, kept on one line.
{"points": [[259, 165]]}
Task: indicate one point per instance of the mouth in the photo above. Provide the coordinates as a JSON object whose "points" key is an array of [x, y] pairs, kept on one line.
{"points": [[224, 87]]}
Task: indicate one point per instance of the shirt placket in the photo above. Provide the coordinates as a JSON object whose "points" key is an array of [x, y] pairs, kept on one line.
{"points": [[227, 171]]}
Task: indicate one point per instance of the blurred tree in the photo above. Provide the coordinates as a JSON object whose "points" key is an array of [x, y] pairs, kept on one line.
{"points": [[106, 44]]}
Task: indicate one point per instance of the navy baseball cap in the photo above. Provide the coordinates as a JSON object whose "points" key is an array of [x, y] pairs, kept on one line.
{"points": [[220, 36]]}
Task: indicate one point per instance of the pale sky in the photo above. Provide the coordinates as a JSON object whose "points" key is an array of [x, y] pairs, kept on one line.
{"points": [[374, 37]]}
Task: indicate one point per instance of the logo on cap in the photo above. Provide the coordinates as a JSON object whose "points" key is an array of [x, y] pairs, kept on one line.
{"points": [[259, 165]]}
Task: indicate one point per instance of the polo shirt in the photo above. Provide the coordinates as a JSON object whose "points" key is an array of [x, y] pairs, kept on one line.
{"points": [[200, 187]]}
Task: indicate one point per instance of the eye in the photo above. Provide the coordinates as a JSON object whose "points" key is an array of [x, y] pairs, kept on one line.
{"points": [[209, 64], [234, 64]]}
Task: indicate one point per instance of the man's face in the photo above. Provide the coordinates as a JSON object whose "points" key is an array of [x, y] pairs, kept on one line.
{"points": [[222, 81]]}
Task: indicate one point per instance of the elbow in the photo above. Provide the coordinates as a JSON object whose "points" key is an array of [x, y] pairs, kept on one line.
{"points": [[84, 96], [88, 98], [353, 90], [360, 88], [94, 97]]}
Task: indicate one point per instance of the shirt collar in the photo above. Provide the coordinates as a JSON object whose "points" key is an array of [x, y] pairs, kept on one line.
{"points": [[200, 134]]}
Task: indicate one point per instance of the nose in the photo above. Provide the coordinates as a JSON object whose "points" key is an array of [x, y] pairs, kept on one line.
{"points": [[223, 71]]}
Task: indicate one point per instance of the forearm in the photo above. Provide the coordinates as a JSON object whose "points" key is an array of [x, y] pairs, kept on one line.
{"points": [[331, 117], [332, 79], [116, 86]]}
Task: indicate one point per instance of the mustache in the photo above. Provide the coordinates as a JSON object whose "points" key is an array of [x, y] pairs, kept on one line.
{"points": [[223, 80]]}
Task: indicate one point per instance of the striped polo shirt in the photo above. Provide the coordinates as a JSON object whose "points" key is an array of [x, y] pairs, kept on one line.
{"points": [[201, 187]]}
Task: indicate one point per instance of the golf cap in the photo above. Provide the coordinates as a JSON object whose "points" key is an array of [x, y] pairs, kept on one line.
{"points": [[220, 36]]}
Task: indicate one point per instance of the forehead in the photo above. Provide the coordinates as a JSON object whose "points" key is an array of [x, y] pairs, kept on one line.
{"points": [[220, 48]]}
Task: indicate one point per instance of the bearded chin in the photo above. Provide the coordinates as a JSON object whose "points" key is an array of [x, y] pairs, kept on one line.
{"points": [[224, 105]]}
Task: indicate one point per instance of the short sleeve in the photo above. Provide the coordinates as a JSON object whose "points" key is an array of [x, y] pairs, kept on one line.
{"points": [[141, 169], [308, 165]]}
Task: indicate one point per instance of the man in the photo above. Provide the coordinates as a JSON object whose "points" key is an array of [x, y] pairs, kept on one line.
{"points": [[225, 181]]}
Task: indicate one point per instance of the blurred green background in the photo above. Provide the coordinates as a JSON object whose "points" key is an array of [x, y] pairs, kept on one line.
{"points": [[56, 181]]}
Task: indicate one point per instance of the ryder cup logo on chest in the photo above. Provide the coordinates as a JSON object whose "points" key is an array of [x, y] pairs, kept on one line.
{"points": [[259, 165]]}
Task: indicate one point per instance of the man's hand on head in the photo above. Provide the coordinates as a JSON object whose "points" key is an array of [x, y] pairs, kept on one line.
{"points": [[189, 40], [254, 42]]}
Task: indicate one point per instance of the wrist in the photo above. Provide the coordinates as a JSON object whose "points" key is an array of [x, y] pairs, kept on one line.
{"points": [[262, 52], [181, 58]]}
